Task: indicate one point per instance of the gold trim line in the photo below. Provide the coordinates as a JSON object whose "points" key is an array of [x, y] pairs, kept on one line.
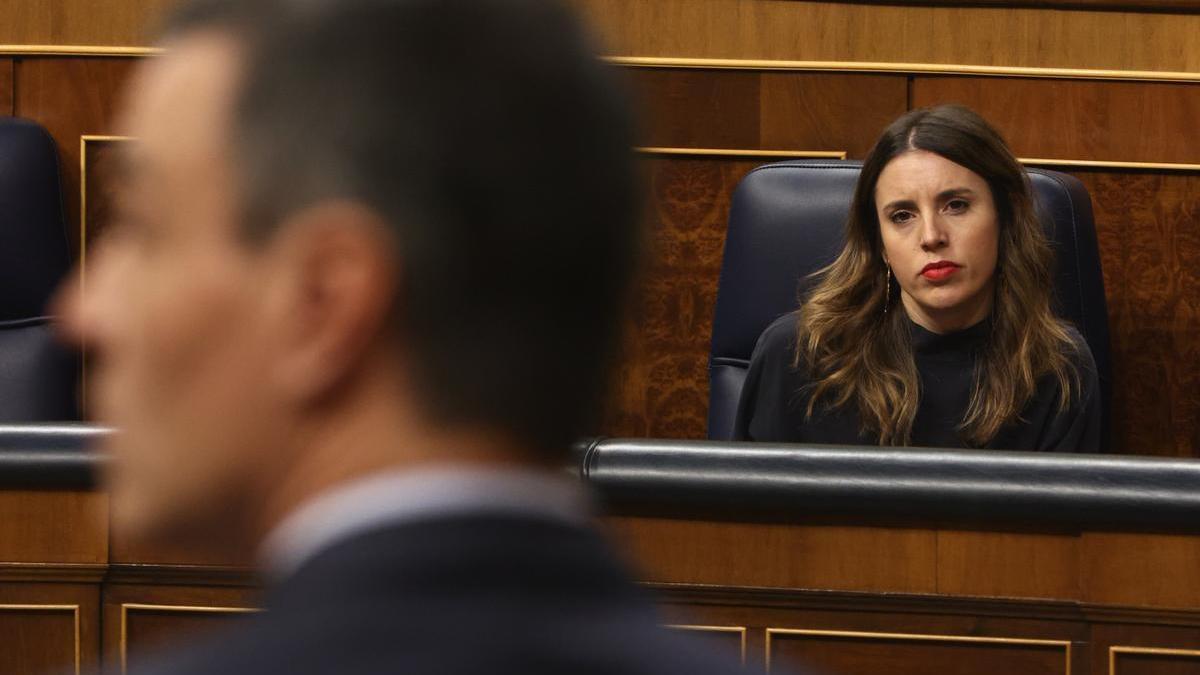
{"points": [[1151, 651], [76, 50], [920, 637], [74, 609], [740, 630], [904, 68], [738, 152], [193, 609], [1105, 164]]}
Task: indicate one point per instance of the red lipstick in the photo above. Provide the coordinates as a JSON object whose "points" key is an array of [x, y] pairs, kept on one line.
{"points": [[940, 270]]}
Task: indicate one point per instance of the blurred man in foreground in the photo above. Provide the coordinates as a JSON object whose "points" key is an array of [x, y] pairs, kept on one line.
{"points": [[362, 296]]}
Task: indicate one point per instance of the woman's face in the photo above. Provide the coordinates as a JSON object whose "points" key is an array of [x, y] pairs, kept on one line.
{"points": [[940, 236]]}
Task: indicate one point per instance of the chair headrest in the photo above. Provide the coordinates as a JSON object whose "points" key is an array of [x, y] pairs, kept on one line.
{"points": [[33, 241]]}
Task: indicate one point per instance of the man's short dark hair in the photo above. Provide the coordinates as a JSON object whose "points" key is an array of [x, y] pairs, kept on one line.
{"points": [[497, 146]]}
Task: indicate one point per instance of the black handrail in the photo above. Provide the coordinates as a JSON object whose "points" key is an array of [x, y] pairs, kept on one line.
{"points": [[790, 482], [787, 482]]}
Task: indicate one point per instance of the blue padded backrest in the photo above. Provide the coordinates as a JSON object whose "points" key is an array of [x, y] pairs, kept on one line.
{"points": [[786, 221], [37, 377]]}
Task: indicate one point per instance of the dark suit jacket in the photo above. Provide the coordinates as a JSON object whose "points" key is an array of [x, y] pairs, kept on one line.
{"points": [[462, 594]]}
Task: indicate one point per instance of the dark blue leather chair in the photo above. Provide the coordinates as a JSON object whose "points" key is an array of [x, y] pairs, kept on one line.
{"points": [[38, 378], [786, 222]]}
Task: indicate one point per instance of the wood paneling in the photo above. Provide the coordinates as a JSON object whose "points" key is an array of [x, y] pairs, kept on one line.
{"points": [[981, 564], [6, 86], [780, 556], [1178, 6], [867, 654], [79, 534], [141, 618], [1150, 252], [1155, 662], [46, 638], [823, 31], [71, 97], [100, 188], [662, 383], [78, 22], [772, 110], [49, 628], [1077, 119], [1141, 570]]}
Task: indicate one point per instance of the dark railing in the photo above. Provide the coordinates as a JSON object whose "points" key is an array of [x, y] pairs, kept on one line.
{"points": [[788, 482]]}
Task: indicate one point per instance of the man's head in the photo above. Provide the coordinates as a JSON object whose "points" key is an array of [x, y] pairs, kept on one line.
{"points": [[338, 206]]}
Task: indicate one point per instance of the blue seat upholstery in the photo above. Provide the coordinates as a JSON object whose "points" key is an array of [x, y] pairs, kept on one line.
{"points": [[786, 221], [37, 377]]}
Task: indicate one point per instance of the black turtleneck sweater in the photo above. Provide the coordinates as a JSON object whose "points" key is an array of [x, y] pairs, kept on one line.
{"points": [[773, 402]]}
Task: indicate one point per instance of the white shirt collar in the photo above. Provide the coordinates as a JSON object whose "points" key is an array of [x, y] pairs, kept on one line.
{"points": [[391, 497]]}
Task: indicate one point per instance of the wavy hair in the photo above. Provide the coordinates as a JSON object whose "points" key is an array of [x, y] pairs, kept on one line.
{"points": [[859, 354]]}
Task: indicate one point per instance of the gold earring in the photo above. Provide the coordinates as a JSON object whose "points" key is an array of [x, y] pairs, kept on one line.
{"points": [[887, 298]]}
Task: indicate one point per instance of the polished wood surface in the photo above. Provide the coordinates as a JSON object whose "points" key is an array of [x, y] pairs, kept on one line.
{"points": [[6, 86], [904, 654], [71, 97], [78, 22], [48, 628], [791, 30], [780, 111], [139, 618], [79, 535], [1077, 119], [1173, 6], [852, 596]]}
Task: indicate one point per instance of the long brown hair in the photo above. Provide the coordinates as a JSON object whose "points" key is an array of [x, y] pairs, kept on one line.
{"points": [[860, 355]]}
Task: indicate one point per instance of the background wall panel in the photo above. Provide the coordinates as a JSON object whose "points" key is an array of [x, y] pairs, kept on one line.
{"points": [[827, 31], [1079, 119], [77, 22]]}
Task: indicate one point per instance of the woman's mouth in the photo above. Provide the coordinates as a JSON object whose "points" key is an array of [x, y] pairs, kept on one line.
{"points": [[940, 270]]}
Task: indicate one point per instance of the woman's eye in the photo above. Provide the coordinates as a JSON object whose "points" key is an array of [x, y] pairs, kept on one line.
{"points": [[957, 205], [901, 217]]}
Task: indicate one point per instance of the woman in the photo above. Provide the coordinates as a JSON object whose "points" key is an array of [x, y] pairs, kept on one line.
{"points": [[934, 326]]}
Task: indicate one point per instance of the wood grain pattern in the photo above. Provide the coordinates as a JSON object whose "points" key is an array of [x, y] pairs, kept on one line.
{"points": [[824, 31], [661, 385], [142, 617], [1175, 6], [78, 22], [779, 556], [1141, 570], [46, 638], [43, 640], [777, 111], [6, 87], [983, 564], [71, 97], [1152, 663], [868, 655], [1150, 253], [1076, 119], [53, 527]]}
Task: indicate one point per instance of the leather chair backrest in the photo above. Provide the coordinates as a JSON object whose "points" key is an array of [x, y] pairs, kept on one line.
{"points": [[787, 221], [38, 378]]}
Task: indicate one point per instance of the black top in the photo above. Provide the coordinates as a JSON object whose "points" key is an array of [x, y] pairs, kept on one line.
{"points": [[455, 595], [772, 406]]}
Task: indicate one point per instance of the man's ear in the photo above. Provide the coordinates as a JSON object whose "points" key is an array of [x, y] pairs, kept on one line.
{"points": [[334, 275]]}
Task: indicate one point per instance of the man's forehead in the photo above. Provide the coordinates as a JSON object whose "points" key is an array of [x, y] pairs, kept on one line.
{"points": [[179, 104]]}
